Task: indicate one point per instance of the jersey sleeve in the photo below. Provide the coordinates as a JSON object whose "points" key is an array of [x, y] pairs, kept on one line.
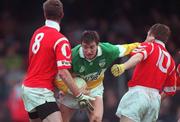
{"points": [[111, 51], [126, 49], [145, 49], [63, 53], [170, 83]]}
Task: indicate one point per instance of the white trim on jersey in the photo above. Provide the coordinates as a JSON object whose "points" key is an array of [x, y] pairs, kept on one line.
{"points": [[152, 48], [145, 54], [141, 50], [160, 42], [170, 89], [172, 70], [122, 50], [52, 24], [59, 40], [63, 63], [81, 54]]}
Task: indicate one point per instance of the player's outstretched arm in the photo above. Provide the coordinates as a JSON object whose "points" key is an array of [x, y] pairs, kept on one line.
{"points": [[118, 69], [130, 47]]}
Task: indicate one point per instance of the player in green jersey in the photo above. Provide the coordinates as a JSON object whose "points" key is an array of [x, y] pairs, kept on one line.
{"points": [[90, 60]]}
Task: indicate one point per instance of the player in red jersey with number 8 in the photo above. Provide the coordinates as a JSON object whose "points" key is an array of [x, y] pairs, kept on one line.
{"points": [[49, 54], [154, 74]]}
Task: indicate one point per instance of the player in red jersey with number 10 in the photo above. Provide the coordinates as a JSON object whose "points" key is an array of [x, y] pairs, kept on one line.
{"points": [[49, 54], [154, 74]]}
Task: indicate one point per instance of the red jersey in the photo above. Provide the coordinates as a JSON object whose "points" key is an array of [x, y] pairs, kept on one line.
{"points": [[49, 51], [156, 70]]}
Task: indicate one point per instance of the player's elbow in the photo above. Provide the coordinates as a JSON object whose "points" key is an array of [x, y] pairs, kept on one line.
{"points": [[63, 73], [138, 58]]}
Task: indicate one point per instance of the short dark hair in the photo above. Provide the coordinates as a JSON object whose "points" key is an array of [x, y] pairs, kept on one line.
{"points": [[53, 10], [160, 31], [90, 36]]}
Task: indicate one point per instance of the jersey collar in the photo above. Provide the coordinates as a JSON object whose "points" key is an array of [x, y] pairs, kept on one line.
{"points": [[99, 52], [52, 24], [160, 42]]}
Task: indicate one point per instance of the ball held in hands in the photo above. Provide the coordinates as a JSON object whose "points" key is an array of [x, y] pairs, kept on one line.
{"points": [[59, 83], [81, 84]]}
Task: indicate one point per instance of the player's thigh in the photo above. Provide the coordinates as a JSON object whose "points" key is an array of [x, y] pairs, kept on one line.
{"points": [[153, 111], [48, 111], [98, 108], [34, 117], [33, 97], [66, 112], [54, 117], [133, 105]]}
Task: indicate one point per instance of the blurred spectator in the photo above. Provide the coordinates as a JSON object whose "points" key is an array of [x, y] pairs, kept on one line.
{"points": [[5, 115], [16, 106], [13, 61]]}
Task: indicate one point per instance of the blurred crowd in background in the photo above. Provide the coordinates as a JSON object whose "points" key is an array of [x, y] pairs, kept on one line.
{"points": [[117, 22]]}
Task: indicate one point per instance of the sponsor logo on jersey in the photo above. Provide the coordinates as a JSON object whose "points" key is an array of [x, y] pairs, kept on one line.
{"points": [[92, 76], [66, 50]]}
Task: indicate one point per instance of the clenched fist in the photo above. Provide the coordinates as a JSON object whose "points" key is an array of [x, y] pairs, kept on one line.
{"points": [[117, 69]]}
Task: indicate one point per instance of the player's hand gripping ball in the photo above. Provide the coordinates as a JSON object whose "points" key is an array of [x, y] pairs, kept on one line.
{"points": [[83, 100]]}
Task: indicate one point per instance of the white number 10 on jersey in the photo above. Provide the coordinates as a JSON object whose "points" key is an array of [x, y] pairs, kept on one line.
{"points": [[161, 59]]}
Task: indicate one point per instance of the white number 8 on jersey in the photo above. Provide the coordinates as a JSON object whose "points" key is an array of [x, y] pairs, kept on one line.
{"points": [[36, 45]]}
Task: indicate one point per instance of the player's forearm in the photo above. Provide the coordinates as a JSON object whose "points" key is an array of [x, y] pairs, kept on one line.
{"points": [[69, 81], [135, 59], [118, 69]]}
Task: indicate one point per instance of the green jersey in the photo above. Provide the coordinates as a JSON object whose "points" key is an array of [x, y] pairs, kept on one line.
{"points": [[93, 70]]}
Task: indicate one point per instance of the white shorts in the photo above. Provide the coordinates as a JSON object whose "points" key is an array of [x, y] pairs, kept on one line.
{"points": [[69, 100], [34, 97], [140, 104]]}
